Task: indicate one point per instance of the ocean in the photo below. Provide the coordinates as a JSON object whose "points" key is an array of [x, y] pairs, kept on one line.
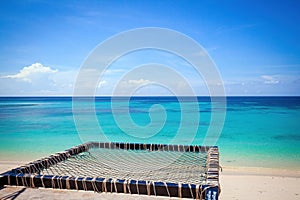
{"points": [[257, 131]]}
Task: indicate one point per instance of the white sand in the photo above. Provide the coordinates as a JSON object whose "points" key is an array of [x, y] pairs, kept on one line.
{"points": [[259, 183], [236, 183]]}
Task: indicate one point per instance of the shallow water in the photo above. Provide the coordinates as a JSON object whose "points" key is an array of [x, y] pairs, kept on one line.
{"points": [[258, 131]]}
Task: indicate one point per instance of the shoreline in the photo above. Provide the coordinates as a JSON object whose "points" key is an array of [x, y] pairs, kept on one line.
{"points": [[259, 171]]}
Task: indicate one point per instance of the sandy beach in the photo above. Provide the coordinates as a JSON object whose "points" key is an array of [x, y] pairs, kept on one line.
{"points": [[236, 183]]}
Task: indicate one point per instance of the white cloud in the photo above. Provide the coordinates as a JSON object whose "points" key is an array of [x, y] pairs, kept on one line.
{"points": [[102, 83], [38, 79], [139, 82], [26, 73], [269, 79]]}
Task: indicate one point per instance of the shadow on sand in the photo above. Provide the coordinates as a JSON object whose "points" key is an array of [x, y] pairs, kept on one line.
{"points": [[13, 195]]}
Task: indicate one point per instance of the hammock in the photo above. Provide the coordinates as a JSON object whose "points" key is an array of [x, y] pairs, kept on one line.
{"points": [[153, 169]]}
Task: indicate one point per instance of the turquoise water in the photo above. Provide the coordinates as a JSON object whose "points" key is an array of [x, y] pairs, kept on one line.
{"points": [[258, 131]]}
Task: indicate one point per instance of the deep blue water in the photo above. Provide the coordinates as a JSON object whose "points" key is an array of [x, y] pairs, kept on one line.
{"points": [[258, 131]]}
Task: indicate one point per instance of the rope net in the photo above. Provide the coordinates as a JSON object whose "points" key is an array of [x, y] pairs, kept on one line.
{"points": [[156, 166]]}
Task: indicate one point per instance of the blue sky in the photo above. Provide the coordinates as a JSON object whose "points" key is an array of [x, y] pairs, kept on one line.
{"points": [[254, 44]]}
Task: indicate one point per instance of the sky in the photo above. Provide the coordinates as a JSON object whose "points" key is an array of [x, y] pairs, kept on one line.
{"points": [[254, 44]]}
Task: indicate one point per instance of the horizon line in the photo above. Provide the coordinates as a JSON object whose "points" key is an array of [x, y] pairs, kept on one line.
{"points": [[88, 96]]}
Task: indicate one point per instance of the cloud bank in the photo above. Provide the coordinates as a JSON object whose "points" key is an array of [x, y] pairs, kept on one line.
{"points": [[37, 80], [27, 73], [40, 80], [269, 79]]}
